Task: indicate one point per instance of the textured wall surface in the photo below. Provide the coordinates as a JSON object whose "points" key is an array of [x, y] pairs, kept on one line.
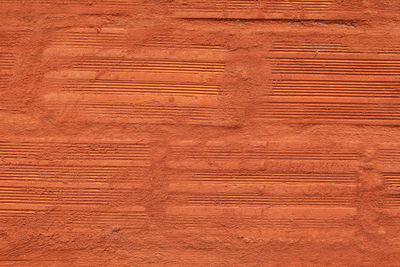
{"points": [[199, 133]]}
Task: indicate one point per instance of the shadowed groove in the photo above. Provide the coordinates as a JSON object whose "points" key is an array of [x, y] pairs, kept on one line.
{"points": [[90, 218], [180, 41], [380, 48], [221, 153], [89, 39], [290, 223], [74, 151], [329, 111], [224, 176], [135, 87], [335, 88], [149, 113], [76, 3], [61, 196], [265, 199], [379, 67], [149, 65], [71, 173]]}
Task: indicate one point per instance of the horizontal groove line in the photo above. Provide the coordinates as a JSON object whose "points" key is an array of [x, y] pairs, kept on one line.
{"points": [[150, 107], [159, 112], [148, 66], [334, 88], [82, 3], [89, 34], [72, 167], [6, 169], [333, 70], [268, 178], [336, 82], [91, 40], [272, 153], [272, 181], [254, 198], [88, 144], [335, 112], [82, 37], [279, 158], [51, 150], [336, 73], [233, 153], [139, 85], [317, 116], [257, 174], [333, 92], [57, 172], [334, 109], [22, 188], [117, 155], [153, 114], [152, 69], [333, 49], [331, 104], [144, 91], [333, 95], [143, 62], [332, 61], [85, 217]]}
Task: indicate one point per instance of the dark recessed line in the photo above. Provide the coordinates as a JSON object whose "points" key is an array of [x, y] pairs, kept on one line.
{"points": [[325, 21]]}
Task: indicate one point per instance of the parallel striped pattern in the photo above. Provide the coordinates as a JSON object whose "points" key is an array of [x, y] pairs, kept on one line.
{"points": [[392, 179], [329, 66], [316, 47], [177, 41], [330, 111], [382, 82], [244, 5], [71, 173], [222, 153], [147, 113], [335, 88], [389, 155], [213, 5], [74, 151], [296, 5], [75, 3], [281, 223], [394, 221], [89, 39], [265, 199], [252, 177], [9, 38], [135, 87], [310, 47], [4, 81], [151, 65], [265, 9], [217, 192], [7, 61], [8, 108], [76, 218], [61, 196], [392, 200]]}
